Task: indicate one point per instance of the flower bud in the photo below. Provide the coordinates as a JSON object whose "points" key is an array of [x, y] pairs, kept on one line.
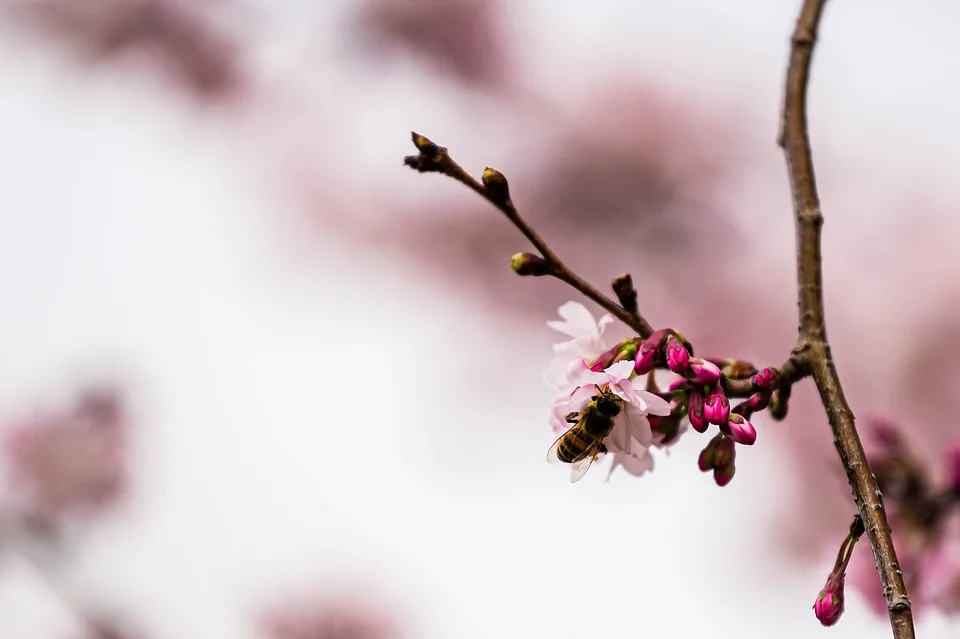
{"points": [[758, 401], [627, 351], [705, 460], [726, 451], [739, 430], [646, 359], [427, 148], [716, 407], [702, 372], [767, 379], [719, 452], [829, 604], [724, 474], [696, 410], [496, 185], [529, 264], [677, 355]]}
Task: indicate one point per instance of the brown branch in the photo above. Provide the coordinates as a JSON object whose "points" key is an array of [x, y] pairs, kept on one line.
{"points": [[812, 345], [494, 189]]}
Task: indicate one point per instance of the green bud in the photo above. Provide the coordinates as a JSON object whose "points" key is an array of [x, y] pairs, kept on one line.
{"points": [[496, 185], [529, 264], [425, 146]]}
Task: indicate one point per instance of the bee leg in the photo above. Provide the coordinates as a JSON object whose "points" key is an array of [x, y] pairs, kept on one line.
{"points": [[603, 449], [572, 418]]}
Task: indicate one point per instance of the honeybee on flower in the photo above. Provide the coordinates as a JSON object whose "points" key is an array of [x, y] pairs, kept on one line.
{"points": [[609, 414]]}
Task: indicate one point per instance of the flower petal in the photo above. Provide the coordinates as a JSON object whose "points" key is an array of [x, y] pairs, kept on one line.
{"points": [[637, 425], [656, 405], [620, 371], [620, 437], [604, 322], [579, 321]]}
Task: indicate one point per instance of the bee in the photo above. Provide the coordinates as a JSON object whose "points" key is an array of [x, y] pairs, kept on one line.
{"points": [[583, 443]]}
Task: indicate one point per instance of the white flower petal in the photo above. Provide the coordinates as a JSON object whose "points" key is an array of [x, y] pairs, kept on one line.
{"points": [[656, 405], [579, 374], [620, 370], [619, 439], [555, 375], [604, 322], [580, 397], [579, 321], [638, 426], [637, 466]]}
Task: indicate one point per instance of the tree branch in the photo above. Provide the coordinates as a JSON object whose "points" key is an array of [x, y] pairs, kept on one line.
{"points": [[812, 346], [436, 159]]}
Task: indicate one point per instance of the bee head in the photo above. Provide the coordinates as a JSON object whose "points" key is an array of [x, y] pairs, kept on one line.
{"points": [[608, 404]]}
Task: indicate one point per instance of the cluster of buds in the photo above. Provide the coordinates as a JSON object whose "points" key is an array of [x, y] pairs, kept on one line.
{"points": [[829, 604], [699, 394]]}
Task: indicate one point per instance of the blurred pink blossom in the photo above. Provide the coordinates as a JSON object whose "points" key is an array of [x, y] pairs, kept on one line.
{"points": [[457, 36], [329, 618], [68, 463], [200, 56]]}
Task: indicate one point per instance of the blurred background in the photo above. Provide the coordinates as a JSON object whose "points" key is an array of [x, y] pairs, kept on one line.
{"points": [[257, 379]]}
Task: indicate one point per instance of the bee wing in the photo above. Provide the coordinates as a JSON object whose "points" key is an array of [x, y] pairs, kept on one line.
{"points": [[552, 453], [580, 468]]}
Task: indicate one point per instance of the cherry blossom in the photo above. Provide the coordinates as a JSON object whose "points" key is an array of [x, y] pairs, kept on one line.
{"points": [[61, 464], [586, 333]]}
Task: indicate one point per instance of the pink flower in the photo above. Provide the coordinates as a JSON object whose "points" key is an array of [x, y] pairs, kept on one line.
{"points": [[631, 437], [617, 379], [636, 460], [61, 464], [329, 618], [829, 604], [940, 578]]}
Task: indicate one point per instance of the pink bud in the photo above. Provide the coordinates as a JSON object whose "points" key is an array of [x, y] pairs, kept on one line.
{"points": [[725, 451], [702, 372], [724, 474], [706, 458], [829, 604], [677, 355], [766, 379], [716, 407], [695, 410], [739, 430], [758, 401], [719, 452], [646, 358], [677, 384]]}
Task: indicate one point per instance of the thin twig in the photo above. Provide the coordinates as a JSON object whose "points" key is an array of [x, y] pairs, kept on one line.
{"points": [[436, 159], [813, 346]]}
